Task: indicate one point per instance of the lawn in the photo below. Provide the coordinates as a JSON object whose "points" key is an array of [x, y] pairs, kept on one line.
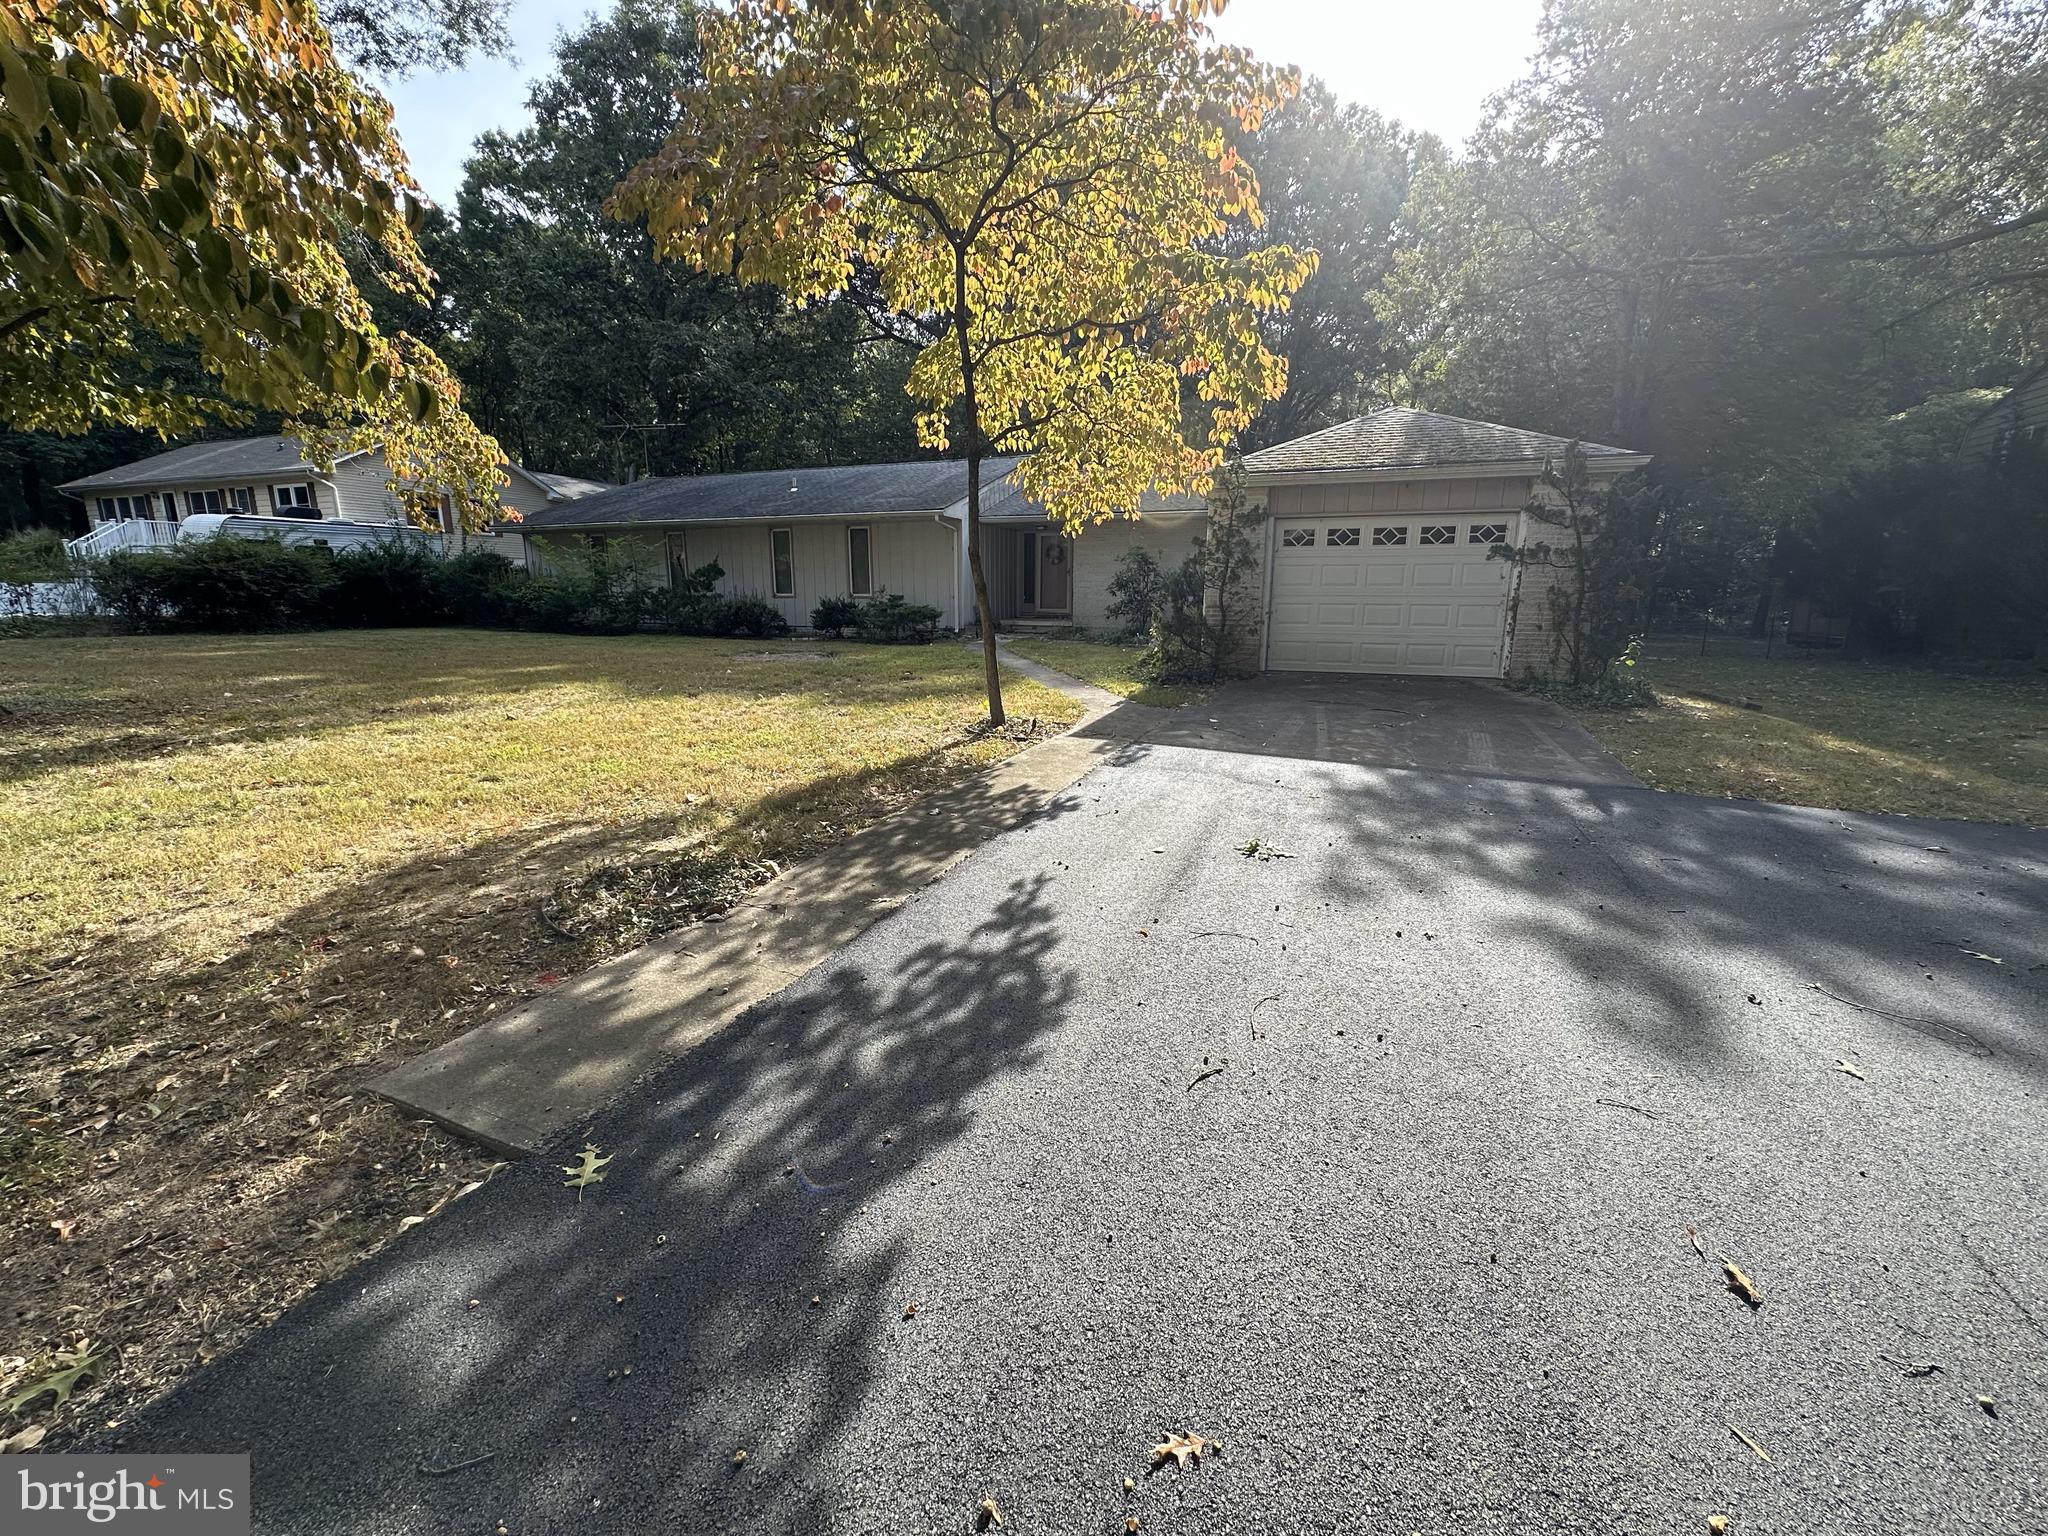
{"points": [[1832, 732], [1106, 665], [240, 876]]}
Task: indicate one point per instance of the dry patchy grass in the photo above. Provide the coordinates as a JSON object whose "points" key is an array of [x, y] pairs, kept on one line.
{"points": [[241, 876], [1848, 735], [1106, 665]]}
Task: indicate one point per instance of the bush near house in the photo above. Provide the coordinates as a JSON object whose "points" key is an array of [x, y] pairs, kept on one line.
{"points": [[835, 616], [253, 585], [891, 620]]}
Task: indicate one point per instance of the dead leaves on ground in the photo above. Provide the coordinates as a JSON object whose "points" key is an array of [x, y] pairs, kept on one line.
{"points": [[584, 1172], [74, 1365], [1184, 1450], [1849, 1067], [1741, 1285], [1263, 851]]}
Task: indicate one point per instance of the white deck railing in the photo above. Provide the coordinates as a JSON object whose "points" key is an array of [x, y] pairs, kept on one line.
{"points": [[127, 533]]}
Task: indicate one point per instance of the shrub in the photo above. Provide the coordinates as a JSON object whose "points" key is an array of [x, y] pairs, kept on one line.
{"points": [[481, 588], [37, 555], [835, 616], [748, 615], [690, 605], [1136, 591], [217, 584], [394, 581], [892, 621]]}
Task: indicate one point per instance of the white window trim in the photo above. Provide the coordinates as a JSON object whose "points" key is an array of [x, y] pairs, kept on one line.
{"points": [[869, 531], [773, 535], [278, 502]]}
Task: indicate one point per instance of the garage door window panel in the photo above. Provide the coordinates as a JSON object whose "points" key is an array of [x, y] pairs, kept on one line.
{"points": [[1439, 533], [1297, 538], [1342, 538], [1393, 534]]}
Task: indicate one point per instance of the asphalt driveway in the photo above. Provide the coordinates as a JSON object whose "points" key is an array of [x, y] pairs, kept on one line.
{"points": [[1416, 1254], [1436, 724]]}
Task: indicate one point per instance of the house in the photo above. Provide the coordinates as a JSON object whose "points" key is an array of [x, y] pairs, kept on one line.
{"points": [[1376, 555], [798, 536], [2019, 415], [269, 477], [1378, 542]]}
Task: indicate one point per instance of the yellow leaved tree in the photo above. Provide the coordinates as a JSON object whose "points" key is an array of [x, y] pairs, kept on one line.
{"points": [[1035, 189], [185, 171]]}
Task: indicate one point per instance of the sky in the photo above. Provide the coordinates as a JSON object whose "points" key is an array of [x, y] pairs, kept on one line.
{"points": [[1431, 66]]}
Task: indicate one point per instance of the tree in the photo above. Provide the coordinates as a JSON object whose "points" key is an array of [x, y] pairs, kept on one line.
{"points": [[1030, 184], [587, 354], [398, 37], [1332, 179], [1601, 562], [175, 173]]}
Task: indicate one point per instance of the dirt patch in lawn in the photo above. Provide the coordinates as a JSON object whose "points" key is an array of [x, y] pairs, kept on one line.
{"points": [[245, 876]]}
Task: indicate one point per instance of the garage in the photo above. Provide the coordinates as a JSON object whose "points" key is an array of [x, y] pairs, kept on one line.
{"points": [[1409, 593], [1384, 539]]}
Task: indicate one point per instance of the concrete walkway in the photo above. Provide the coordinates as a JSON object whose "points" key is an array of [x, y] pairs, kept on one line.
{"points": [[516, 1079]]}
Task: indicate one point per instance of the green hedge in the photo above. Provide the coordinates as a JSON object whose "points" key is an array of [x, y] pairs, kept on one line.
{"points": [[262, 584]]}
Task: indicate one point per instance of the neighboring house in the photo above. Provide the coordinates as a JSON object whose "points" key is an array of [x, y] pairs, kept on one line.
{"points": [[1377, 546], [2020, 415], [270, 477], [798, 536], [1376, 557]]}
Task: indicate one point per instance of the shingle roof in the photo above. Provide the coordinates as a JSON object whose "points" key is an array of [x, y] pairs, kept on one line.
{"points": [[1396, 438], [241, 458], [856, 490], [792, 495], [568, 487], [1003, 502]]}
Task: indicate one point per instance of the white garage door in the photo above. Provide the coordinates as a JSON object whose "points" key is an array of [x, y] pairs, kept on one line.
{"points": [[1410, 593]]}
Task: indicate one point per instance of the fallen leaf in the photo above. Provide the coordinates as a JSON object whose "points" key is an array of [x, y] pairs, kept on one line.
{"points": [[989, 1515], [1988, 1404], [910, 1311], [24, 1440], [73, 1366], [1850, 1067], [1761, 1453], [64, 1226], [739, 1458], [548, 978], [1692, 1235], [1264, 852], [1978, 954], [1717, 1524], [1130, 1522], [584, 1172], [1184, 1450], [1740, 1283]]}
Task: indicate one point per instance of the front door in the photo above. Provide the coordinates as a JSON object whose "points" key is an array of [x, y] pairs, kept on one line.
{"points": [[1055, 575]]}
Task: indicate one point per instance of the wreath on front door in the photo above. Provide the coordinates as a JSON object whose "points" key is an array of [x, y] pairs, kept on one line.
{"points": [[1057, 555]]}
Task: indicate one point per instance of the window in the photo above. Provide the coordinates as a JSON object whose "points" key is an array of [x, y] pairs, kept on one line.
{"points": [[197, 502], [1341, 538], [170, 507], [1439, 533], [1382, 537], [597, 543], [678, 560], [1487, 533], [859, 568], [293, 501], [782, 556], [445, 510], [241, 499], [1296, 538], [1027, 568], [116, 508]]}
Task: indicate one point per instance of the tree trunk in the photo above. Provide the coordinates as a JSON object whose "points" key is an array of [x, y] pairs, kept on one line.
{"points": [[991, 673], [970, 405]]}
